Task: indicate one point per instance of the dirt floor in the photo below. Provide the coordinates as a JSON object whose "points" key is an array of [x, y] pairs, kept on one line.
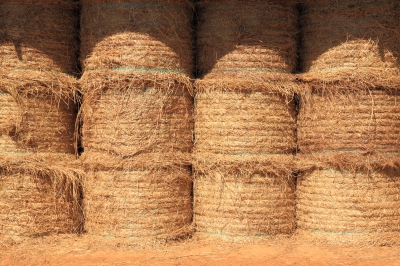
{"points": [[84, 250]]}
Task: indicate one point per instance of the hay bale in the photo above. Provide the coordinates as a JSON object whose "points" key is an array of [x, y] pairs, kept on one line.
{"points": [[41, 117], [243, 198], [246, 36], [129, 114], [39, 35], [351, 120], [153, 35], [246, 118], [9, 121], [356, 39], [39, 195], [143, 203], [349, 207]]}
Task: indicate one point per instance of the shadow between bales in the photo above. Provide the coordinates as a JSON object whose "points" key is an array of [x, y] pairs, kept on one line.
{"points": [[39, 37]]}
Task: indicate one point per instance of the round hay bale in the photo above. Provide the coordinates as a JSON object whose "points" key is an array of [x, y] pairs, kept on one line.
{"points": [[243, 198], [243, 120], [356, 39], [42, 111], [39, 120], [246, 36], [357, 207], [39, 35], [361, 120], [38, 196], [142, 203], [127, 117], [144, 35]]}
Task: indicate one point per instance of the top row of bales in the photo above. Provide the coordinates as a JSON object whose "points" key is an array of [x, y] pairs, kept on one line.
{"points": [[335, 36]]}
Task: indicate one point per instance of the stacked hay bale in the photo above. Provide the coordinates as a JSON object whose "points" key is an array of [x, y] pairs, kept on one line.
{"points": [[348, 124], [38, 113], [245, 119], [137, 117], [40, 195]]}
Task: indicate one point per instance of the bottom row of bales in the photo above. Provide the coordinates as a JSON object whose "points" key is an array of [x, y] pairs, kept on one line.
{"points": [[330, 202], [40, 195]]}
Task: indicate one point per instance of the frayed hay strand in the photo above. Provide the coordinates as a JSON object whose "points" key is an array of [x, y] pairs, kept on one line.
{"points": [[106, 162], [350, 161], [41, 113]]}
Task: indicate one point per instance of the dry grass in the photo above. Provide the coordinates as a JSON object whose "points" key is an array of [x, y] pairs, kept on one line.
{"points": [[343, 206], [243, 119], [246, 36], [244, 197], [349, 120], [140, 36], [140, 204], [38, 35], [39, 112], [126, 115], [40, 195], [355, 41]]}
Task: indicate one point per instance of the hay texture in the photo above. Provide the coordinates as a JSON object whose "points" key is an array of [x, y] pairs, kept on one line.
{"points": [[138, 202], [37, 116], [242, 198], [243, 119], [39, 35], [39, 195], [9, 121], [349, 120], [246, 36], [355, 40], [126, 115], [349, 207], [153, 35]]}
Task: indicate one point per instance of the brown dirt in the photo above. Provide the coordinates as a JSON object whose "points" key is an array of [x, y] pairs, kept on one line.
{"points": [[72, 250]]}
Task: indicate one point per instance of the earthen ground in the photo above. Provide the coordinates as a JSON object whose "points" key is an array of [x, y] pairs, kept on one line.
{"points": [[85, 250]]}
